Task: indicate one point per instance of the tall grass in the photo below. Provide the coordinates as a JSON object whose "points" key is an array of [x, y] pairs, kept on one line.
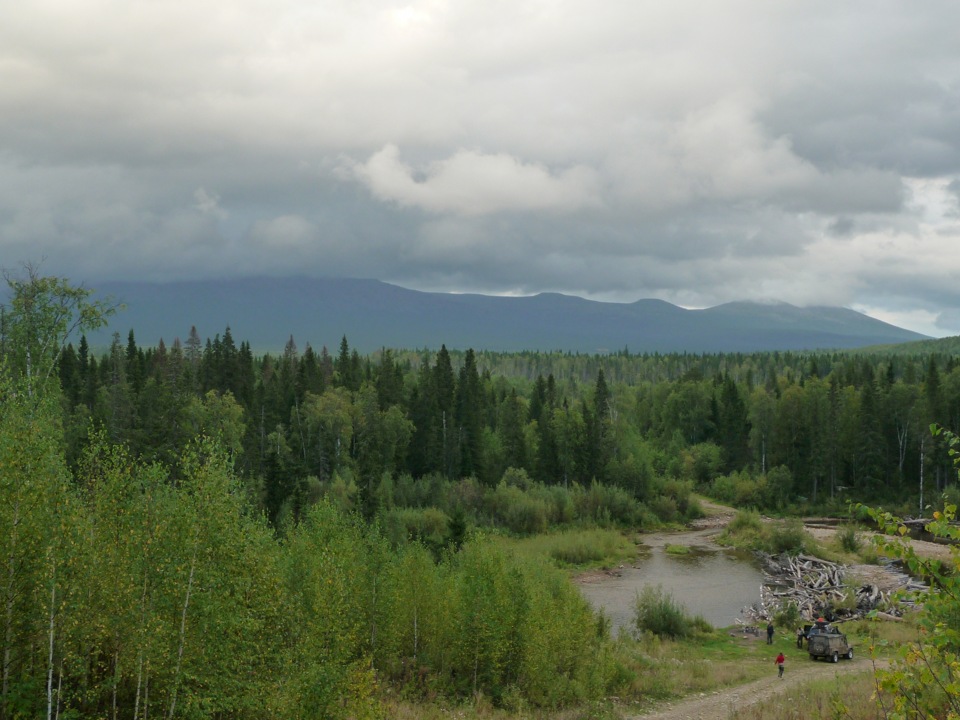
{"points": [[749, 531], [849, 698], [577, 547], [659, 614], [849, 538]]}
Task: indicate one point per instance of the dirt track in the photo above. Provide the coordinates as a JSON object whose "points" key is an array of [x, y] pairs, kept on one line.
{"points": [[718, 704]]}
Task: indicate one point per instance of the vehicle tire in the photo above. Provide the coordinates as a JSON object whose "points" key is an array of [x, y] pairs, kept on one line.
{"points": [[835, 657], [850, 654]]}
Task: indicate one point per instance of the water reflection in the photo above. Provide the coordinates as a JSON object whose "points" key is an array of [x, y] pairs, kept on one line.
{"points": [[714, 583]]}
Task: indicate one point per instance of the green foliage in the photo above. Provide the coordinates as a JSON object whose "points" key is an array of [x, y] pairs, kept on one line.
{"points": [[746, 521], [427, 525], [605, 505], [588, 547], [43, 313], [701, 463], [38, 537], [328, 576], [849, 538], [658, 613], [925, 679], [787, 615], [786, 537], [741, 489], [517, 510], [747, 530]]}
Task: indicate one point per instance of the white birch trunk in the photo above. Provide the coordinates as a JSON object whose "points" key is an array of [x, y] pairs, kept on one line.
{"points": [[183, 633], [922, 440], [51, 635]]}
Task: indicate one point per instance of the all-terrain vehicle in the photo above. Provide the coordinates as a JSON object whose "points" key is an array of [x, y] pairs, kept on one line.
{"points": [[825, 641]]}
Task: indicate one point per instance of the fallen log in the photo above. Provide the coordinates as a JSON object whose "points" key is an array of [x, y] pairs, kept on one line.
{"points": [[822, 588]]}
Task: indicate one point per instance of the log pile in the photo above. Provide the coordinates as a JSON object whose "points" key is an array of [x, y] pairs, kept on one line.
{"points": [[820, 588]]}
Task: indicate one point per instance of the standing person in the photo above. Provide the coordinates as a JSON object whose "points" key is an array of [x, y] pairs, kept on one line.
{"points": [[800, 636], [779, 663], [770, 633]]}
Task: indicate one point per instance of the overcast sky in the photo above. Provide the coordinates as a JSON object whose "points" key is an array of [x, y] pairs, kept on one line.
{"points": [[695, 151]]}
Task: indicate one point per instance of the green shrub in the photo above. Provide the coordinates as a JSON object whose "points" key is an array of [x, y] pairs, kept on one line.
{"points": [[658, 613], [604, 504], [585, 547], [787, 615], [779, 486], [665, 508], [747, 530], [847, 602], [682, 493], [849, 538], [341, 491], [468, 495], [516, 510], [527, 516], [740, 489], [950, 496], [788, 537], [517, 477], [694, 509], [632, 474], [646, 518], [701, 463], [561, 505], [428, 525], [746, 521], [426, 491]]}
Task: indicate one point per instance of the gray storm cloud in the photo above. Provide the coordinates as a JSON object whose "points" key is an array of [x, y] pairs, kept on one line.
{"points": [[695, 152]]}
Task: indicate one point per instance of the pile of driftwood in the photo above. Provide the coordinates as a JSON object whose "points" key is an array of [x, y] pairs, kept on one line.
{"points": [[820, 588]]}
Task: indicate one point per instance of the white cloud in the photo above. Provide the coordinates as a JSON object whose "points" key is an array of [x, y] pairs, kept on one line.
{"points": [[208, 203], [472, 183]]}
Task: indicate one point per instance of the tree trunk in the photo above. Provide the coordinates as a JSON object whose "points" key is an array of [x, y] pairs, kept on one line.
{"points": [[8, 611], [183, 631], [922, 440], [901, 450], [136, 701], [763, 454], [56, 714], [143, 611], [116, 677], [51, 635]]}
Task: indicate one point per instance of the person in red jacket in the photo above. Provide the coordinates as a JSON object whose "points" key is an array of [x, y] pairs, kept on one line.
{"points": [[779, 663]]}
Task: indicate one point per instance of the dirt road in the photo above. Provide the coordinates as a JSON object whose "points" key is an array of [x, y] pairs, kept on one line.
{"points": [[718, 704]]}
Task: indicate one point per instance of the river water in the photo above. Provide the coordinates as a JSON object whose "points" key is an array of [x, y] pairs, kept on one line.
{"points": [[708, 580]]}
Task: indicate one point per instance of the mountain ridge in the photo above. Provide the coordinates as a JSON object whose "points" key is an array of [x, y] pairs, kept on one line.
{"points": [[372, 314]]}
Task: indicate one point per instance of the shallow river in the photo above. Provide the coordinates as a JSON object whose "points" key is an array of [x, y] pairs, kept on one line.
{"points": [[709, 581]]}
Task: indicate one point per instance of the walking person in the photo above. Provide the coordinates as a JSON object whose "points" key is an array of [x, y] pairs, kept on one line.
{"points": [[770, 633], [779, 663]]}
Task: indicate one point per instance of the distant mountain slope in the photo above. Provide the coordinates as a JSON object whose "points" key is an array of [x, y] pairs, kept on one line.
{"points": [[372, 314], [941, 346]]}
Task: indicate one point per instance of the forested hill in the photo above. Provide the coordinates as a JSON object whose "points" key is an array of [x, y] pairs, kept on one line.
{"points": [[268, 311]]}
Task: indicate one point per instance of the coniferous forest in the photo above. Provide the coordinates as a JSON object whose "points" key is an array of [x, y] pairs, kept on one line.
{"points": [[192, 529]]}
